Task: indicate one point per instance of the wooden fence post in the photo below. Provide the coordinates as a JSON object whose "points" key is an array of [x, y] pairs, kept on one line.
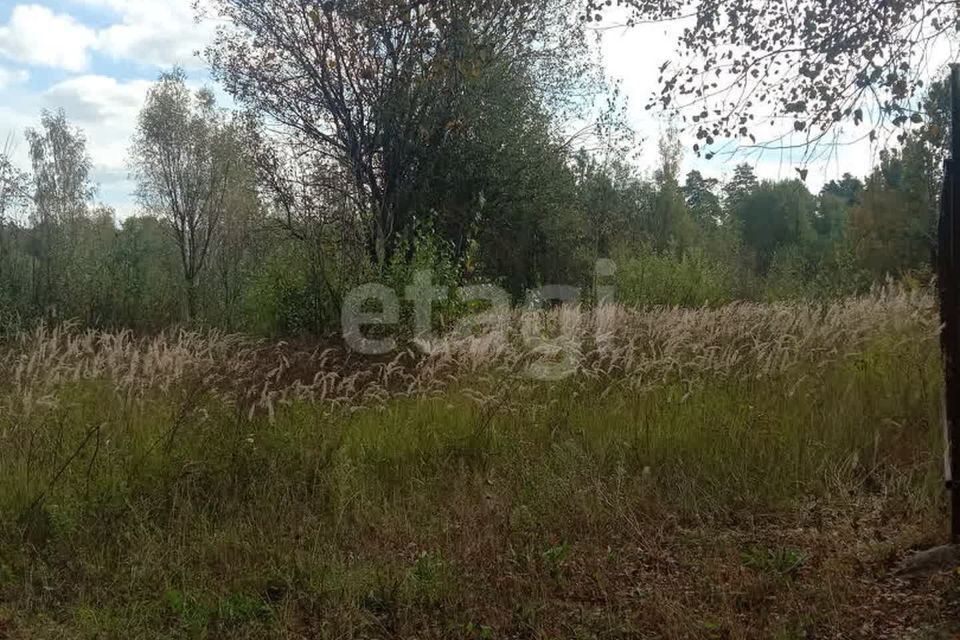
{"points": [[948, 283]]}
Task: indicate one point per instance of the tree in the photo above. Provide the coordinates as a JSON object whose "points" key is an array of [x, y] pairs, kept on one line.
{"points": [[847, 189], [14, 184], [362, 94], [837, 198], [609, 198], [670, 225], [146, 272], [504, 186], [238, 242], [739, 188], [14, 197], [816, 63], [92, 295], [62, 195], [702, 199], [184, 163], [893, 228], [773, 216], [61, 169]]}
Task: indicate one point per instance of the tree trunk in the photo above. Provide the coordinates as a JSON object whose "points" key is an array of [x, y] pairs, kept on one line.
{"points": [[191, 300]]}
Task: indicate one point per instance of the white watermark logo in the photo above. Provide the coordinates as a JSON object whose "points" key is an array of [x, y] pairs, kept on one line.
{"points": [[371, 313]]}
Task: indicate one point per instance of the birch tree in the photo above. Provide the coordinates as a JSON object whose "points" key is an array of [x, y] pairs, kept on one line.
{"points": [[63, 192], [184, 168]]}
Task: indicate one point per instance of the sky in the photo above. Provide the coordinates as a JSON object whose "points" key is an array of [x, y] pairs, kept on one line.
{"points": [[96, 59], [633, 57]]}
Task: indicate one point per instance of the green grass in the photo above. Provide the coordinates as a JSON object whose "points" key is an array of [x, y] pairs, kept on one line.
{"points": [[728, 508]]}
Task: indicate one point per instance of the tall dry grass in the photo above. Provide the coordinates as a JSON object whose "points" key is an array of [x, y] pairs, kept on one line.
{"points": [[618, 347], [749, 471]]}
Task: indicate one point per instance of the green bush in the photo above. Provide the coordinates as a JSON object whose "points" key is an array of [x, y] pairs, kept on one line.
{"points": [[288, 298], [648, 278], [425, 251]]}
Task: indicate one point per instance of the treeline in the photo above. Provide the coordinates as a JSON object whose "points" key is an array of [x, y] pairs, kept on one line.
{"points": [[370, 144]]}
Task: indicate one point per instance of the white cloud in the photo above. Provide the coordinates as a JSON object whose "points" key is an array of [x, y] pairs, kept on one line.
{"points": [[159, 33], [94, 99], [153, 32], [10, 77], [106, 109], [37, 35]]}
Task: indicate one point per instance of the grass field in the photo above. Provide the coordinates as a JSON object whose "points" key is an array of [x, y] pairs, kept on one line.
{"points": [[753, 471]]}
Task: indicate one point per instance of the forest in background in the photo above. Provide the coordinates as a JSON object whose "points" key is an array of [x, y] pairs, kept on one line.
{"points": [[440, 141]]}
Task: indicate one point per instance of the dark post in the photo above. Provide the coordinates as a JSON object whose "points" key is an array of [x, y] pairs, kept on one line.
{"points": [[948, 272]]}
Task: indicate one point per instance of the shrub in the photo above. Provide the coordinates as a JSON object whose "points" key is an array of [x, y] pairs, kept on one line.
{"points": [[693, 279]]}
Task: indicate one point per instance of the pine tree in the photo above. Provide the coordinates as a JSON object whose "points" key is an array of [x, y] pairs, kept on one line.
{"points": [[741, 185], [702, 200]]}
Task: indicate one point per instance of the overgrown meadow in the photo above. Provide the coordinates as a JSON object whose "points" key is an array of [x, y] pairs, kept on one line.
{"points": [[748, 471]]}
